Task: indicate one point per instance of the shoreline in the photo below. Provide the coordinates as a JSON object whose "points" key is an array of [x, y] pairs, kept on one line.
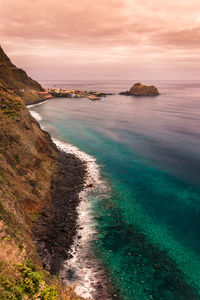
{"points": [[55, 228], [76, 258], [38, 102], [83, 269]]}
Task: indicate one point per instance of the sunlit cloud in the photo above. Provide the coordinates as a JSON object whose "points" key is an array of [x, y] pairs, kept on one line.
{"points": [[103, 39]]}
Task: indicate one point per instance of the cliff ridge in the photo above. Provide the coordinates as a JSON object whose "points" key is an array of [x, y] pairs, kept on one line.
{"points": [[15, 79]]}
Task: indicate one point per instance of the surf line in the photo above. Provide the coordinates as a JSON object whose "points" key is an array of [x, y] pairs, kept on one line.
{"points": [[82, 269]]}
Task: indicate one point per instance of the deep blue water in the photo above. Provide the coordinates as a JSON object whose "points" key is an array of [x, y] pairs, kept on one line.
{"points": [[149, 152]]}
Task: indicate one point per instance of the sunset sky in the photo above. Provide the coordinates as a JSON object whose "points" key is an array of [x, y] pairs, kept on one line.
{"points": [[103, 39]]}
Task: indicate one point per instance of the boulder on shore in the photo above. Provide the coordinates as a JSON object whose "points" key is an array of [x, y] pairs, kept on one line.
{"points": [[139, 89]]}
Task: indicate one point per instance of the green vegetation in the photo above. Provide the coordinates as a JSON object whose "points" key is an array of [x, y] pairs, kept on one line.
{"points": [[10, 104], [20, 279], [30, 284], [53, 169], [12, 110], [1, 179]]}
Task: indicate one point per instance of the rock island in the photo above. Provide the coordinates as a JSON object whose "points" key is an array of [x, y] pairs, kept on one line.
{"points": [[139, 89]]}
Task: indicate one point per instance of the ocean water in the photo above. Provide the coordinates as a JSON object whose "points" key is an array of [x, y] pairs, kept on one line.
{"points": [[147, 223]]}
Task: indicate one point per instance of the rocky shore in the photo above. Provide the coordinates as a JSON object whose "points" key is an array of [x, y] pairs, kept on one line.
{"points": [[82, 268], [54, 230], [58, 228]]}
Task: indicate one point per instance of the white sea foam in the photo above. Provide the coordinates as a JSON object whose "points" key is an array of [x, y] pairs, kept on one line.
{"points": [[35, 115], [42, 102], [81, 268]]}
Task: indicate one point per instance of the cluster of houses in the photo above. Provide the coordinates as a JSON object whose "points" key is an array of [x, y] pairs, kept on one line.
{"points": [[67, 93]]}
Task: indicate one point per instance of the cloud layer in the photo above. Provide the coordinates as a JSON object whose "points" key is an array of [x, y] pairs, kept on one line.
{"points": [[103, 39]]}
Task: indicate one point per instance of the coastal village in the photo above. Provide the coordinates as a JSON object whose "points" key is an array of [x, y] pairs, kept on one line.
{"points": [[67, 93]]}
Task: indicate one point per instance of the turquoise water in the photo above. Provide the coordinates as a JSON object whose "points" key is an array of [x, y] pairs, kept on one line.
{"points": [[149, 152]]}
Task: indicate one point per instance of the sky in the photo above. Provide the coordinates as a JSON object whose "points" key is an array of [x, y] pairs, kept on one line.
{"points": [[103, 39]]}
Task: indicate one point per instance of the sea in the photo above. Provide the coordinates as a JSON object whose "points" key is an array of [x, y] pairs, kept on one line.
{"points": [[141, 219]]}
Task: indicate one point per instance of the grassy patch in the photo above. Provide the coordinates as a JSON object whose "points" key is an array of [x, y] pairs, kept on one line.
{"points": [[11, 109], [10, 104], [29, 284], [53, 169], [2, 180], [20, 279]]}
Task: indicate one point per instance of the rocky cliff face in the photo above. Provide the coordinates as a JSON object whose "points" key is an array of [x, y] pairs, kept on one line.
{"points": [[16, 79], [27, 155], [30, 168]]}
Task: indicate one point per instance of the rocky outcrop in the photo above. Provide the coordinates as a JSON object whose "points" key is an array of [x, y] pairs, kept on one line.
{"points": [[17, 80], [139, 89]]}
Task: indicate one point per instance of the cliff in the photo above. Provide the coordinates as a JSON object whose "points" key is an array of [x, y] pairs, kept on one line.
{"points": [[17, 80], [32, 196], [139, 89]]}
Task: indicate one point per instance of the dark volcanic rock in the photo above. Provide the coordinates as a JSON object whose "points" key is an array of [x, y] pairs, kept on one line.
{"points": [[139, 89], [54, 231]]}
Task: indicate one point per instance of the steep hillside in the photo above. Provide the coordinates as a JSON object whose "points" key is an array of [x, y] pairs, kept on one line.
{"points": [[15, 79], [30, 168]]}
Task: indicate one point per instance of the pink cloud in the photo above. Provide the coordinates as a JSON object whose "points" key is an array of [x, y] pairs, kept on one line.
{"points": [[105, 36]]}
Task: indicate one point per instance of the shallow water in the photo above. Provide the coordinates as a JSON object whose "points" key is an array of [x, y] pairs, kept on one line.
{"points": [[149, 152]]}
